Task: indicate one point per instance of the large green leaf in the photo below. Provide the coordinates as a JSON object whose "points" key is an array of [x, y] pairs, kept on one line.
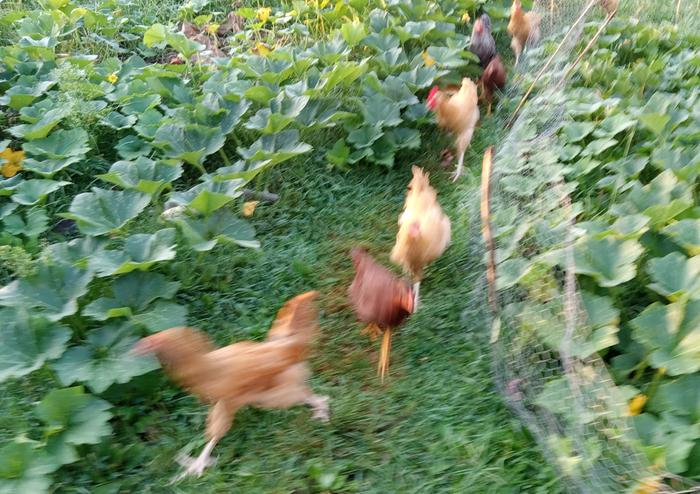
{"points": [[682, 396], [282, 112], [26, 342], [59, 150], [76, 252], [670, 333], [31, 224], [40, 128], [609, 261], [222, 226], [102, 211], [276, 147], [60, 144], [71, 418], [105, 359], [675, 276], [135, 296], [32, 191], [117, 121], [53, 290], [675, 435], [213, 194], [687, 234], [378, 110], [613, 125], [353, 32], [141, 251], [190, 143], [143, 174], [24, 468]]}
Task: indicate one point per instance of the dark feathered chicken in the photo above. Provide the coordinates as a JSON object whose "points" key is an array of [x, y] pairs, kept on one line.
{"points": [[380, 299], [494, 77], [482, 43]]}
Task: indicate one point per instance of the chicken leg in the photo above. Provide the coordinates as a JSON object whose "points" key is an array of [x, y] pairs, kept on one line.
{"points": [[384, 353], [416, 291], [195, 466], [463, 142]]}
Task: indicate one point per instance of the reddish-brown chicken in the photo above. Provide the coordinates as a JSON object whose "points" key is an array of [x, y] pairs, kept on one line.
{"points": [[269, 374], [494, 77], [424, 230], [380, 299], [524, 27], [457, 113]]}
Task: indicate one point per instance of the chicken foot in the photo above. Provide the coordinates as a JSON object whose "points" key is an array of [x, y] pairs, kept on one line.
{"points": [[195, 466], [372, 330], [319, 407]]}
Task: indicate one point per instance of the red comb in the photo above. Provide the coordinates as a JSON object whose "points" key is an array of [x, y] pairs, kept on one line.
{"points": [[431, 97]]}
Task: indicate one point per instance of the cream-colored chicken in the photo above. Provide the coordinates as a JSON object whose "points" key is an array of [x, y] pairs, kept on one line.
{"points": [[457, 113], [424, 230]]}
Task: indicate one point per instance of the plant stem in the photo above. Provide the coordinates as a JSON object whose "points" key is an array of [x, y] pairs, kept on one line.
{"points": [[224, 157]]}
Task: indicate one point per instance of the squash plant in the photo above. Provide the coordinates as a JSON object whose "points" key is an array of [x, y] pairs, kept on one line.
{"points": [[627, 154], [103, 130]]}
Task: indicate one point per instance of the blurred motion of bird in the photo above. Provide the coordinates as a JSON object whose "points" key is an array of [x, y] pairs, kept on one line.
{"points": [[523, 27], [424, 230], [268, 374], [482, 43], [380, 299]]}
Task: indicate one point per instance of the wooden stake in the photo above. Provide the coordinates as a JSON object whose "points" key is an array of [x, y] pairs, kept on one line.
{"points": [[486, 229], [549, 61]]}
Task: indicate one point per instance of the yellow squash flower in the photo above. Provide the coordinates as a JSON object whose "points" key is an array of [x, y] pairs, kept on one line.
{"points": [[13, 162], [262, 50], [112, 78], [427, 59], [466, 18], [648, 486], [212, 28], [264, 14], [249, 208], [636, 404]]}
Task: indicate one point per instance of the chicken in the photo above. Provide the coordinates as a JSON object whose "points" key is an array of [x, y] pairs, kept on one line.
{"points": [[522, 27], [424, 230], [269, 374], [457, 113], [482, 43], [494, 77], [380, 299]]}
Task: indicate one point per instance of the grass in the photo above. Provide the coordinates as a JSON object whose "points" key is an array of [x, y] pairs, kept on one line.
{"points": [[436, 424]]}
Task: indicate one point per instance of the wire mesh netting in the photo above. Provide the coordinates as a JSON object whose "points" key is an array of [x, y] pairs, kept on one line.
{"points": [[545, 345]]}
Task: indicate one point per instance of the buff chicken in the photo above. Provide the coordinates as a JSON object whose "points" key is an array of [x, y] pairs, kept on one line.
{"points": [[268, 374], [524, 28], [424, 230], [457, 113]]}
